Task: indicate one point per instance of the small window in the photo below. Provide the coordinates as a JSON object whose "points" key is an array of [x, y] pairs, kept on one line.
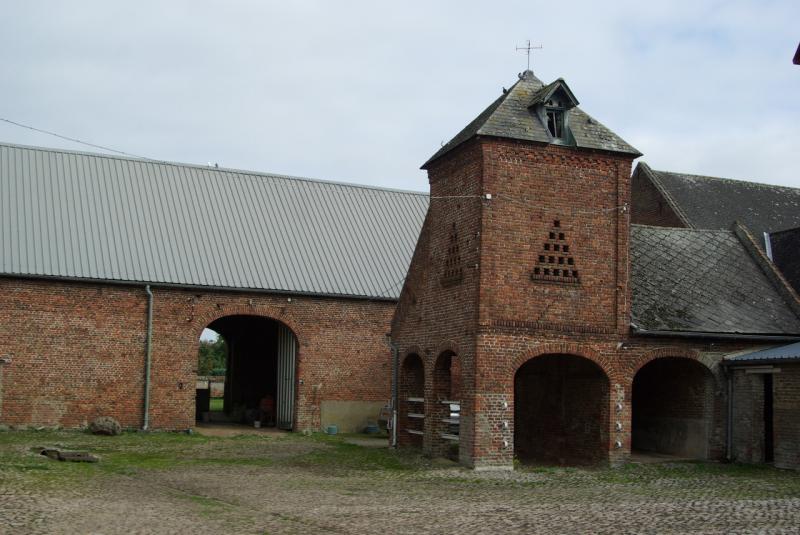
{"points": [[555, 123]]}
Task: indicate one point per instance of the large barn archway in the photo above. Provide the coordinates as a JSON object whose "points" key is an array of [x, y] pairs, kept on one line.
{"points": [[673, 408], [259, 371], [561, 411]]}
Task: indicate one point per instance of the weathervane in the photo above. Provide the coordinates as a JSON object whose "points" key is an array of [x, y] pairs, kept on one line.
{"points": [[528, 49]]}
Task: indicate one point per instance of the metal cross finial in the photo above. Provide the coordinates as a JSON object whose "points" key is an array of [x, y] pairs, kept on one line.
{"points": [[528, 49]]}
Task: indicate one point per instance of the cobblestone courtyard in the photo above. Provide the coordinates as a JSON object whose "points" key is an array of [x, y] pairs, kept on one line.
{"points": [[273, 483]]}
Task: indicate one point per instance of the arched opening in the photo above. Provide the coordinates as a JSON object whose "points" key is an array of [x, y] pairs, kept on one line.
{"points": [[411, 395], [259, 373], [446, 404], [212, 364], [561, 411], [672, 406]]}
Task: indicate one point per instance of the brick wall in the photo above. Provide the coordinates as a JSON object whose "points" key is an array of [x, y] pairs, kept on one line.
{"points": [[78, 350], [500, 315], [749, 400], [437, 313], [748, 410], [786, 404], [648, 205], [538, 190]]}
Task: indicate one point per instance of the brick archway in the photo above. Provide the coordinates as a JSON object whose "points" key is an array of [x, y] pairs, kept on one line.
{"points": [[563, 348], [275, 313], [672, 403], [562, 401], [412, 350], [662, 352], [444, 347], [261, 368]]}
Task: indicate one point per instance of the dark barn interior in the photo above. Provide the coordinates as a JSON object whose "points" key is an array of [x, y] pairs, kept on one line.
{"points": [[561, 411]]}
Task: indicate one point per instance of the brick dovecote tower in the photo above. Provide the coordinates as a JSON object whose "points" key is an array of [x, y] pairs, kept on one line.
{"points": [[517, 295]]}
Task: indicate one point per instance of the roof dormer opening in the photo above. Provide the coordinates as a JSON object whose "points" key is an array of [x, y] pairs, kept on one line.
{"points": [[555, 118]]}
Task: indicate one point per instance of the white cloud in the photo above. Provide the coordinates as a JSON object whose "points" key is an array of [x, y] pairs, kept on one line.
{"points": [[365, 92]]}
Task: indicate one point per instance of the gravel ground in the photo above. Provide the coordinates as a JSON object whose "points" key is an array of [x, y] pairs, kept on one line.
{"points": [[270, 483]]}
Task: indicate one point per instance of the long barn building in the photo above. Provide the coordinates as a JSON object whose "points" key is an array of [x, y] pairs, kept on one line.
{"points": [[299, 276]]}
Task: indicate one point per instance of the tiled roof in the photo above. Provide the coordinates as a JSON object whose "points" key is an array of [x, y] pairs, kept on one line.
{"points": [[89, 216], [691, 280], [715, 203], [510, 116]]}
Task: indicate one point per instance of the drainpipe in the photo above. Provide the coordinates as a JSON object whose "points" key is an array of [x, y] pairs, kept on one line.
{"points": [[395, 390], [148, 355], [729, 427]]}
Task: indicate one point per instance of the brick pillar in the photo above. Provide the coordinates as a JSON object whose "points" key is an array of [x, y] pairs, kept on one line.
{"points": [[619, 422], [493, 431]]}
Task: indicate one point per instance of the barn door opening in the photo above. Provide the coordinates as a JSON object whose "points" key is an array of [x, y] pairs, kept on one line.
{"points": [[673, 408], [561, 411], [256, 383]]}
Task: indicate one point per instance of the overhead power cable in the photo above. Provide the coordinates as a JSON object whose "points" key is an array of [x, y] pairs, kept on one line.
{"points": [[75, 140]]}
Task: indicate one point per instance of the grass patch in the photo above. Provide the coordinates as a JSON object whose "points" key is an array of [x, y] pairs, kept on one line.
{"points": [[134, 454], [217, 405], [340, 456]]}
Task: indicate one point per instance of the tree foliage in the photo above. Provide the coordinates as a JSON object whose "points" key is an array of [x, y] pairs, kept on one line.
{"points": [[212, 359]]}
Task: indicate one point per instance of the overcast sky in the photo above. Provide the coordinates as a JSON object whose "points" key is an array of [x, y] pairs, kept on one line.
{"points": [[366, 91]]}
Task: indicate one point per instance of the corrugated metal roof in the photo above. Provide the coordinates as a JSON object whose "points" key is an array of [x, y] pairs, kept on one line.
{"points": [[789, 352], [89, 216]]}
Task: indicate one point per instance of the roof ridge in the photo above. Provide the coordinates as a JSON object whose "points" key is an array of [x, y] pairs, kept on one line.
{"points": [[684, 229], [229, 170], [725, 179]]}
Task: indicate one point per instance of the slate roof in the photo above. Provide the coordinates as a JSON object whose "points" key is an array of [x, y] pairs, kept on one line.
{"points": [[510, 116], [702, 281], [715, 203], [88, 216], [787, 353]]}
